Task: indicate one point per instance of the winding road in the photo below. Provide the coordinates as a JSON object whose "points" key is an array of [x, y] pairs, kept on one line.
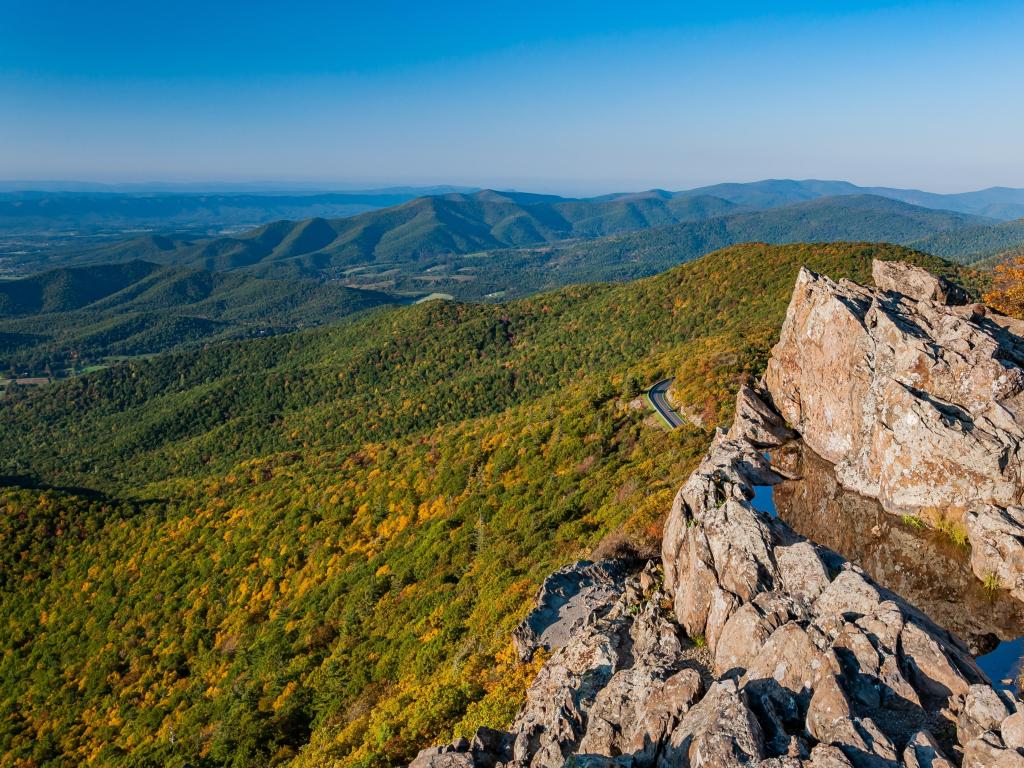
{"points": [[659, 399]]}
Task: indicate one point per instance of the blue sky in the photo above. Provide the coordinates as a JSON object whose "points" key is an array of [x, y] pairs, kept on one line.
{"points": [[556, 96]]}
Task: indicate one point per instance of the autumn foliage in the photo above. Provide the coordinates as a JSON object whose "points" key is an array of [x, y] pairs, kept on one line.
{"points": [[1007, 293], [310, 550]]}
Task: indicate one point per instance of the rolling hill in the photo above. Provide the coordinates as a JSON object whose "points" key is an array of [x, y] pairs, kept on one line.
{"points": [[630, 255], [418, 231], [488, 243], [272, 279], [80, 315], [974, 244]]}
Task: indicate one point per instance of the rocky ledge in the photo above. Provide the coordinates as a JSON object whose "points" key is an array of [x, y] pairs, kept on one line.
{"points": [[918, 403], [760, 647]]}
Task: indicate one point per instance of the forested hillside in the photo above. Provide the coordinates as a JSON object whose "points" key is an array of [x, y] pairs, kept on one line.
{"points": [[637, 254], [492, 245], [75, 316], [974, 244], [420, 229], [310, 549]]}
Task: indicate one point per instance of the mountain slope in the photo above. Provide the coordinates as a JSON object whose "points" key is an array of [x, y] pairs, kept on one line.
{"points": [[508, 244], [972, 244], [351, 383], [327, 521], [637, 254], [62, 290], [423, 228], [84, 314]]}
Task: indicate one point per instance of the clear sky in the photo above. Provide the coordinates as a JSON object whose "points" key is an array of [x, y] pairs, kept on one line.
{"points": [[557, 95]]}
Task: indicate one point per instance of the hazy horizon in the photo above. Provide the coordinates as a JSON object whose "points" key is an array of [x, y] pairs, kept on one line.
{"points": [[574, 97], [300, 187]]}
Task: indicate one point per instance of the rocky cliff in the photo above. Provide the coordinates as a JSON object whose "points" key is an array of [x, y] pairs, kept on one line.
{"points": [[752, 645], [918, 403]]}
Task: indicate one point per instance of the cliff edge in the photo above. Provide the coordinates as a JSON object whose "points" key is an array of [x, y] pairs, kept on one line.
{"points": [[755, 646]]}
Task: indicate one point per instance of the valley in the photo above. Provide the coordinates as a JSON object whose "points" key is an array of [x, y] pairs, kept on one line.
{"points": [[479, 246], [339, 502]]}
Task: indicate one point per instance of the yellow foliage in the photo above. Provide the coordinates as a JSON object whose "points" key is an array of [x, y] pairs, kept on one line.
{"points": [[428, 510], [1007, 293], [281, 700]]}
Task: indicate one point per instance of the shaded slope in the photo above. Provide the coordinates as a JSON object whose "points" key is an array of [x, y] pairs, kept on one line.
{"points": [[972, 244], [62, 290], [83, 314]]}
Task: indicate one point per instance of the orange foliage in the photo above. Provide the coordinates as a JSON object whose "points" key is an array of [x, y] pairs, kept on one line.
{"points": [[1007, 294]]}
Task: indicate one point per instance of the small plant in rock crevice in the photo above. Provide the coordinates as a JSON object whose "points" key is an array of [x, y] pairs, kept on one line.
{"points": [[954, 531], [992, 582], [912, 521]]}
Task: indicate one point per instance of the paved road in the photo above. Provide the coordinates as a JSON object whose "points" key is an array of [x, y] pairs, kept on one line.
{"points": [[659, 400]]}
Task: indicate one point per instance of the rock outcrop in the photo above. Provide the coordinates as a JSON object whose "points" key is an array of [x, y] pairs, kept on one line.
{"points": [[776, 651], [567, 598], [918, 404]]}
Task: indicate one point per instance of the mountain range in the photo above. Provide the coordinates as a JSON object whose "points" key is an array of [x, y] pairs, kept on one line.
{"points": [[87, 211], [1002, 203], [488, 242], [481, 245]]}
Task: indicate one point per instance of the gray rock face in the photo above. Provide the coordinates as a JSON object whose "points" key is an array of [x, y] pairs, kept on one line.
{"points": [[566, 599], [824, 658], [618, 687], [916, 283], [488, 748], [777, 652], [918, 404]]}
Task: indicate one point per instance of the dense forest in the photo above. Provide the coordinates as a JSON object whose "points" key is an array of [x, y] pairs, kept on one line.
{"points": [[64, 320], [310, 549], [141, 297], [512, 244], [974, 244]]}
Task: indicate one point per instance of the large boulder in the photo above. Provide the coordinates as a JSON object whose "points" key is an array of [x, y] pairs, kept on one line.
{"points": [[916, 283], [917, 403]]}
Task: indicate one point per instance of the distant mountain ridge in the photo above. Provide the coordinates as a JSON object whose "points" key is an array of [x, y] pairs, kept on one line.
{"points": [[87, 210], [496, 243], [424, 227], [1002, 203], [863, 218]]}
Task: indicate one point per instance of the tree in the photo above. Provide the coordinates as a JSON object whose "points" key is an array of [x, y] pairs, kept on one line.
{"points": [[1007, 294]]}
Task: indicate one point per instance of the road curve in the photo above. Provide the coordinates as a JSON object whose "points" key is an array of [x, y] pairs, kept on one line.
{"points": [[657, 394]]}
